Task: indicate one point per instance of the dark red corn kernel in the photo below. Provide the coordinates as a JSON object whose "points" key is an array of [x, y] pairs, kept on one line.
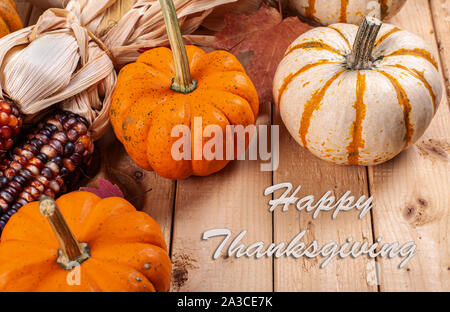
{"points": [[10, 125], [12, 191], [61, 137], [16, 165], [43, 180], [48, 158], [49, 151], [79, 148], [72, 135], [26, 174], [6, 197], [10, 173], [58, 161], [21, 201], [68, 149], [55, 187], [43, 138], [49, 193], [47, 173], [57, 145], [31, 148], [80, 128], [69, 165], [16, 206], [64, 172], [3, 182], [36, 162], [33, 169], [70, 123], [3, 205], [60, 180], [76, 159], [20, 180], [42, 158], [53, 167], [27, 154]]}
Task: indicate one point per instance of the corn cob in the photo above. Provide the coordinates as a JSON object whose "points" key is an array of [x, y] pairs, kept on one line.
{"points": [[10, 126], [44, 162]]}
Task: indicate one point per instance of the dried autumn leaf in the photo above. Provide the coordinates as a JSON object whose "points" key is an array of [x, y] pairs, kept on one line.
{"points": [[215, 20], [262, 38], [105, 189]]}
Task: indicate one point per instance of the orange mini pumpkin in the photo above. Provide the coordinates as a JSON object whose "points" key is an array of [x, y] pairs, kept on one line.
{"points": [[121, 249], [9, 19], [148, 104]]}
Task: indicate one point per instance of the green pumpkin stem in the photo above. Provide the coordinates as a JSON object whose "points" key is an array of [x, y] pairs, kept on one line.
{"points": [[361, 56], [71, 252], [183, 81]]}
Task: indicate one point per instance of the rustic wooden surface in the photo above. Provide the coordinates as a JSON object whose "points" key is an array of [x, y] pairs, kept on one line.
{"points": [[411, 192]]}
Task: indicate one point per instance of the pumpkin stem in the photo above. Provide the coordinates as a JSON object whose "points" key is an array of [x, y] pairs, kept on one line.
{"points": [[72, 253], [361, 56], [183, 81]]}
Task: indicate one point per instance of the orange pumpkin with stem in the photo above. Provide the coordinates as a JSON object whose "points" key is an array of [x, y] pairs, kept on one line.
{"points": [[120, 249], [164, 89], [9, 19]]}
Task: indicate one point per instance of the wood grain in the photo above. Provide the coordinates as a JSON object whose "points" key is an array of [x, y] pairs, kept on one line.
{"points": [[440, 10], [316, 177], [231, 199], [412, 191]]}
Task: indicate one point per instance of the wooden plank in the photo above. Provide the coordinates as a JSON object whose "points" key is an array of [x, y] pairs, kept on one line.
{"points": [[440, 10], [412, 191], [231, 199], [316, 177]]}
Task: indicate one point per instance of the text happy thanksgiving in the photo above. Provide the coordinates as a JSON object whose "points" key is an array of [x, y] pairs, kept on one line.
{"points": [[296, 248]]}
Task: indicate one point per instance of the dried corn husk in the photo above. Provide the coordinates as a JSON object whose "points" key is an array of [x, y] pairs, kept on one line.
{"points": [[69, 57]]}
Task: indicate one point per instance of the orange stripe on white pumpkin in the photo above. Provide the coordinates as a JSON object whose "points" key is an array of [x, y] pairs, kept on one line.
{"points": [[357, 142], [313, 45], [312, 105], [422, 53], [403, 101], [385, 36], [291, 77], [420, 76], [341, 35]]}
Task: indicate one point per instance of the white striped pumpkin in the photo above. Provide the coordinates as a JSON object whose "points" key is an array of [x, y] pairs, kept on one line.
{"points": [[347, 108], [329, 12]]}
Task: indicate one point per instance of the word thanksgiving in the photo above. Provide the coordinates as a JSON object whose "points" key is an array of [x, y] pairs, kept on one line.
{"points": [[297, 248]]}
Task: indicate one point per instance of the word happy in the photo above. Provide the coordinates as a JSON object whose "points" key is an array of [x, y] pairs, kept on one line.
{"points": [[296, 248], [326, 203]]}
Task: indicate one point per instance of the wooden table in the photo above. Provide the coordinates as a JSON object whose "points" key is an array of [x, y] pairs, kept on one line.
{"points": [[411, 197]]}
